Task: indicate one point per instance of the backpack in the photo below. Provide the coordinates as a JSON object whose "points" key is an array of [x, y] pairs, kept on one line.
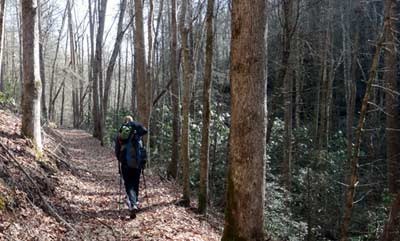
{"points": [[125, 132], [132, 148]]}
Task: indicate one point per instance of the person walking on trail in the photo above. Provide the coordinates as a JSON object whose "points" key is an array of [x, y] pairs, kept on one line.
{"points": [[131, 156]]}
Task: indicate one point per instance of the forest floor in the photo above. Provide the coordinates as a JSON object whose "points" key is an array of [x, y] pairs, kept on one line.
{"points": [[87, 195]]}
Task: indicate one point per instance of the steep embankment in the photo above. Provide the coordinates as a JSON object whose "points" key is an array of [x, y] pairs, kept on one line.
{"points": [[83, 187]]}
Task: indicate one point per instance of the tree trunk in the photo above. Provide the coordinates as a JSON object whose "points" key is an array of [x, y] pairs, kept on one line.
{"points": [[118, 95], [72, 64], [125, 79], [114, 55], [42, 68], [187, 77], [94, 88], [53, 69], [173, 167], [98, 74], [351, 83], [391, 229], [140, 64], [392, 117], [21, 78], [244, 214], [149, 77], [32, 84], [205, 138], [62, 104], [2, 7], [353, 177], [285, 75]]}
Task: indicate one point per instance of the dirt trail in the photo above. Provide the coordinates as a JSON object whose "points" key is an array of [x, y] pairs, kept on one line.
{"points": [[90, 200]]}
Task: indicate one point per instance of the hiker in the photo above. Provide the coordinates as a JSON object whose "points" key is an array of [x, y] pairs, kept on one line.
{"points": [[132, 157]]}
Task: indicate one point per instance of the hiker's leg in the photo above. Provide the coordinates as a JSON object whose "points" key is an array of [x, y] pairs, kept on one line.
{"points": [[136, 180], [127, 173]]}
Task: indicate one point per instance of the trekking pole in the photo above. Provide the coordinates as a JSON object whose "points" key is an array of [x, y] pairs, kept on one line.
{"points": [[120, 189]]}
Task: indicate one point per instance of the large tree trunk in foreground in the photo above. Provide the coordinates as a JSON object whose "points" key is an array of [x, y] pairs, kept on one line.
{"points": [[244, 215], [32, 84], [205, 138]]}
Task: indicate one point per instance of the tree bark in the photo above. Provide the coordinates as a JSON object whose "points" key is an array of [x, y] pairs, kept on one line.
{"points": [[285, 75], [2, 7], [62, 104], [244, 219], [205, 138], [31, 127], [392, 117], [173, 166], [140, 63], [98, 74], [21, 78], [351, 83], [125, 78], [72, 64], [42, 68], [187, 77]]}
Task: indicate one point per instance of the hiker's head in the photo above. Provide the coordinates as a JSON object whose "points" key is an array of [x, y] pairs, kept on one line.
{"points": [[128, 119]]}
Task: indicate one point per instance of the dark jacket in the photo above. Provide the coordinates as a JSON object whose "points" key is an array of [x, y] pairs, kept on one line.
{"points": [[131, 152]]}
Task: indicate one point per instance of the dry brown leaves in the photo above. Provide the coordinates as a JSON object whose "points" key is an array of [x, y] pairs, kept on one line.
{"points": [[97, 208], [87, 197]]}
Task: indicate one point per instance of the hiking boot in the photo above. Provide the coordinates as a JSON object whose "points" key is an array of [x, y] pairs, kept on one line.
{"points": [[133, 212]]}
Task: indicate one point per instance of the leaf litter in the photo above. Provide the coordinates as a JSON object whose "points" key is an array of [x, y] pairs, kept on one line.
{"points": [[88, 196]]}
